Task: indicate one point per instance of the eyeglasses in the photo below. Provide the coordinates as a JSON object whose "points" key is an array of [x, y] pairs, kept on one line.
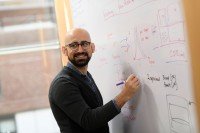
{"points": [[75, 45]]}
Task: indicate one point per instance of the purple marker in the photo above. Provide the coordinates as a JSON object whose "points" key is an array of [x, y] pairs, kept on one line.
{"points": [[120, 83]]}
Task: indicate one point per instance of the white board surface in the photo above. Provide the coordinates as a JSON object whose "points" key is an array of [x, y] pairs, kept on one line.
{"points": [[147, 38]]}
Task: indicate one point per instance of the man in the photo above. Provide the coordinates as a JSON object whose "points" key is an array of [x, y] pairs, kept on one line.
{"points": [[74, 98]]}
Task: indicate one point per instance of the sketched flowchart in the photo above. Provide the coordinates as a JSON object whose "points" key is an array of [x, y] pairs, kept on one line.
{"points": [[172, 33], [145, 36], [171, 25], [179, 114], [131, 46]]}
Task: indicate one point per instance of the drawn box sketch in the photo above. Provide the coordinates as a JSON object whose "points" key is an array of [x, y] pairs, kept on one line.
{"points": [[179, 115]]}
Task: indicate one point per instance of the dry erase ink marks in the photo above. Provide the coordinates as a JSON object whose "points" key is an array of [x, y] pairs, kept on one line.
{"points": [[122, 7], [125, 3], [128, 112], [168, 80], [125, 44], [131, 107], [171, 34], [176, 53], [178, 105], [191, 102], [144, 35], [138, 51], [129, 117], [169, 25], [153, 78], [108, 14]]}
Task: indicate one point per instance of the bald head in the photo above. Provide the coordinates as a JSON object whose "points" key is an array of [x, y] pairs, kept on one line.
{"points": [[77, 35], [78, 55]]}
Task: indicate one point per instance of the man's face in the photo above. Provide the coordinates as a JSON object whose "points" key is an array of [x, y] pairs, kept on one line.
{"points": [[81, 55]]}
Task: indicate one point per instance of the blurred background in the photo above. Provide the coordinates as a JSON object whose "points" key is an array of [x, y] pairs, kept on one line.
{"points": [[29, 60]]}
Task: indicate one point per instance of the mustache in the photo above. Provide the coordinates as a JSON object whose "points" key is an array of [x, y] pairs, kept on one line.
{"points": [[82, 53]]}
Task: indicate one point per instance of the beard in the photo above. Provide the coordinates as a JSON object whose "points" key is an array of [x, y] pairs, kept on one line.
{"points": [[80, 62]]}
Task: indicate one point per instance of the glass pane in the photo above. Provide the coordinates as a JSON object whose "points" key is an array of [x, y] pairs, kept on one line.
{"points": [[29, 58], [7, 126], [27, 23]]}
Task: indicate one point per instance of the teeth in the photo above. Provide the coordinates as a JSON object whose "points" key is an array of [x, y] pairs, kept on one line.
{"points": [[80, 56]]}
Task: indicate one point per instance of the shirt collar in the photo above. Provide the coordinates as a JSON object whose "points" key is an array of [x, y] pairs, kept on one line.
{"points": [[70, 65]]}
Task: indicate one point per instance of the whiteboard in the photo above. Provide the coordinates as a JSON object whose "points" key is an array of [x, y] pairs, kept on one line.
{"points": [[147, 38]]}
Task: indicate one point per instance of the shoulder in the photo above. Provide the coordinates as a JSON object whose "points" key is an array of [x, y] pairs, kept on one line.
{"points": [[88, 73], [63, 80], [65, 75]]}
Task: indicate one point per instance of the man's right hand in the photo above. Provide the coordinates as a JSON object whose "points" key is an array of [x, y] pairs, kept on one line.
{"points": [[131, 86]]}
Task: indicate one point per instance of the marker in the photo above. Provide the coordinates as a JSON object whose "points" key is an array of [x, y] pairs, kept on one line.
{"points": [[120, 83]]}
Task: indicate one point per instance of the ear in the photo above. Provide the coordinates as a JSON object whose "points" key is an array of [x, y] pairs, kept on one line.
{"points": [[93, 47], [64, 50]]}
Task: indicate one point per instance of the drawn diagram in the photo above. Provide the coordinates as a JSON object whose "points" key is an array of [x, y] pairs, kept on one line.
{"points": [[179, 114], [144, 37], [125, 44], [171, 25], [146, 33], [172, 34], [138, 54], [117, 51], [114, 8], [128, 112], [131, 45], [120, 46]]}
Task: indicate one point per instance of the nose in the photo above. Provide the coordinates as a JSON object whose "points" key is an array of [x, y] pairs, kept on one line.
{"points": [[80, 48]]}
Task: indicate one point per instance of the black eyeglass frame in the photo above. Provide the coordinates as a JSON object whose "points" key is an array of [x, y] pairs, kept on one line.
{"points": [[75, 45]]}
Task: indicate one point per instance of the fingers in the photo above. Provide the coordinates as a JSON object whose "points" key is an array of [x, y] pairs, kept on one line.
{"points": [[137, 83], [132, 79]]}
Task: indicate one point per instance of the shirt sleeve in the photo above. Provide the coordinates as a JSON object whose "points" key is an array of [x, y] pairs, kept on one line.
{"points": [[68, 98], [116, 106]]}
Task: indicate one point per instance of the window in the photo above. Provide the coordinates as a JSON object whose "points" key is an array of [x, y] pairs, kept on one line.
{"points": [[29, 57], [7, 125], [0, 89]]}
